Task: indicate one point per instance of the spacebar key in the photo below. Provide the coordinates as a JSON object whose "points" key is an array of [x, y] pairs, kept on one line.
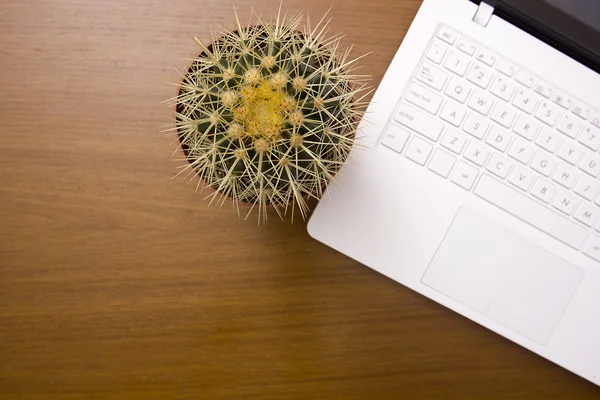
{"points": [[531, 212]]}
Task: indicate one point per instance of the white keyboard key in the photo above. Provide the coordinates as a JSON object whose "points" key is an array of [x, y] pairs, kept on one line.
{"points": [[592, 248], [587, 213], [486, 57], [480, 75], [453, 113], [531, 212], [596, 120], [441, 163], [498, 138], [543, 163], [476, 125], [569, 125], [582, 110], [525, 100], [548, 139], [466, 47], [571, 152], [418, 150], [543, 190], [563, 100], [521, 150], [564, 202], [499, 166], [587, 187], [419, 122], [525, 78], [503, 87], [526, 127], [423, 98], [506, 67], [446, 35], [504, 114], [436, 52], [432, 76], [547, 112], [458, 89], [477, 153], [590, 137], [457, 62], [454, 141], [395, 138], [521, 178], [481, 102], [544, 89], [565, 176], [590, 164], [464, 175]]}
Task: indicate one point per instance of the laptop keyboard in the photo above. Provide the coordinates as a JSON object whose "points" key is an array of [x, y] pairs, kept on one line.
{"points": [[498, 130]]}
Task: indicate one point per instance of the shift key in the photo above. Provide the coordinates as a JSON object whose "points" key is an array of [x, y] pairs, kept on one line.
{"points": [[419, 122]]}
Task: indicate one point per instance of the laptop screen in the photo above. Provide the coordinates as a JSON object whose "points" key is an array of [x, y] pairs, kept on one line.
{"points": [[586, 11], [571, 26]]}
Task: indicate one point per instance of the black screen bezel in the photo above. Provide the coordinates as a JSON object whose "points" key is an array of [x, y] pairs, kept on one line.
{"points": [[554, 26]]}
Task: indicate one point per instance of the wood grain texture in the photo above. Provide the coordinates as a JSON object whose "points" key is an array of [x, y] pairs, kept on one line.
{"points": [[117, 282]]}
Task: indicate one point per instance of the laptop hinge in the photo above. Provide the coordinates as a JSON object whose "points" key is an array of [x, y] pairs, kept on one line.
{"points": [[484, 13]]}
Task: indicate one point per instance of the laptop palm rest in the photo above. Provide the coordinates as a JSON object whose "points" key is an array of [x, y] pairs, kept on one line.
{"points": [[503, 276]]}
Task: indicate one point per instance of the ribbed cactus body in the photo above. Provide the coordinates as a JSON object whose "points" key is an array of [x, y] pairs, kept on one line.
{"points": [[266, 114]]}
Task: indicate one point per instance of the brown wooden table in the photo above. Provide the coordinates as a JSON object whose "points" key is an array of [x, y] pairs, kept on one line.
{"points": [[117, 282]]}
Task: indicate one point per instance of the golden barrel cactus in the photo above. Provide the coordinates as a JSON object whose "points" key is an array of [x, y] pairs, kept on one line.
{"points": [[267, 113]]}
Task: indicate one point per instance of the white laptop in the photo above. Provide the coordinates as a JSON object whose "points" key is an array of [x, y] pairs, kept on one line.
{"points": [[481, 190]]}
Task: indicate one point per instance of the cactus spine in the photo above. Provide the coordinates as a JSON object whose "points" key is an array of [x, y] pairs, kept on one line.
{"points": [[267, 114]]}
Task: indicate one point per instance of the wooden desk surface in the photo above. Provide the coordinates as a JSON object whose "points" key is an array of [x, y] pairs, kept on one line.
{"points": [[117, 282]]}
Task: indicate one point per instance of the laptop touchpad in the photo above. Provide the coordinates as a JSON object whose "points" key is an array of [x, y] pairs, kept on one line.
{"points": [[503, 276]]}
